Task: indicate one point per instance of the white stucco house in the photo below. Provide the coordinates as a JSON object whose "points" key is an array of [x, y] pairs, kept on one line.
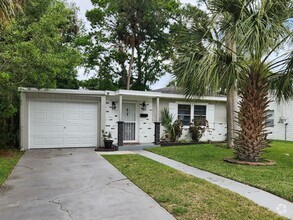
{"points": [[58, 118]]}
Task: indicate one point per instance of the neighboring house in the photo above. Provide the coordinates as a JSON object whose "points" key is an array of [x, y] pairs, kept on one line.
{"points": [[75, 118]]}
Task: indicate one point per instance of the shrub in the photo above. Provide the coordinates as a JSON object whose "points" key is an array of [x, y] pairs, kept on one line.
{"points": [[173, 129], [197, 129]]}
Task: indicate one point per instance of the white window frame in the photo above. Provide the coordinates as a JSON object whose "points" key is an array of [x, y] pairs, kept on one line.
{"points": [[192, 104]]}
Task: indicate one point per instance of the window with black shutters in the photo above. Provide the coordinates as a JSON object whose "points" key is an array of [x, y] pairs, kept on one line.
{"points": [[200, 114], [184, 114]]}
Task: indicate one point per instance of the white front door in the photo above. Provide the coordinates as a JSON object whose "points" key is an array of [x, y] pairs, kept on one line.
{"points": [[129, 118], [54, 124]]}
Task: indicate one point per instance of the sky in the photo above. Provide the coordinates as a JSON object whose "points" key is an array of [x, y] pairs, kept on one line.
{"points": [[85, 5]]}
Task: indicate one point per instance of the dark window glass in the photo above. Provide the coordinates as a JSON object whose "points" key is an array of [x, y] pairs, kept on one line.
{"points": [[184, 114], [270, 119], [200, 114]]}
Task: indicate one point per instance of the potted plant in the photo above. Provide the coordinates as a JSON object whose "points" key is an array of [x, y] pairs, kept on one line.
{"points": [[108, 141]]}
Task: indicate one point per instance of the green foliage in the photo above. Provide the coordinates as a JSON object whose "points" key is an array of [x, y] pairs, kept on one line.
{"points": [[173, 129], [8, 159], [275, 179], [119, 26], [234, 50], [197, 129], [184, 196], [37, 50]]}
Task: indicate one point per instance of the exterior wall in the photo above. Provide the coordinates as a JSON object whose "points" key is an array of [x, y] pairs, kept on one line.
{"points": [[62, 97], [145, 126], [283, 113], [216, 117], [112, 117], [23, 121]]}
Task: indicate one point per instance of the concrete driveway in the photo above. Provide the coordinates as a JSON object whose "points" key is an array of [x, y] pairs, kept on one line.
{"points": [[73, 184]]}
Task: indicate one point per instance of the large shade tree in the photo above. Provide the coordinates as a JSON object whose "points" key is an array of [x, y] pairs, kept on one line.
{"points": [[259, 30], [8, 10], [37, 49], [129, 43]]}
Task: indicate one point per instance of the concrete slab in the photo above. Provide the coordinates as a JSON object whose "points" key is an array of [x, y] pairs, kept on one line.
{"points": [[115, 152], [73, 184], [260, 197]]}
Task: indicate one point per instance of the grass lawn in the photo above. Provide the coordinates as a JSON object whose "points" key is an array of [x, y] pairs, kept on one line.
{"points": [[277, 179], [8, 159], [184, 196]]}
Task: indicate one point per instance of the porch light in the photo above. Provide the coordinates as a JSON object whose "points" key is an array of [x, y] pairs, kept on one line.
{"points": [[143, 106], [113, 105]]}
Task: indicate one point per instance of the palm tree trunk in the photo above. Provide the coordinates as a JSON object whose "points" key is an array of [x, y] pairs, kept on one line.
{"points": [[230, 118], [130, 67], [252, 117], [231, 100]]}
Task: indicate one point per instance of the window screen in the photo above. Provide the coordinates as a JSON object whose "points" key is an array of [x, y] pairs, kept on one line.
{"points": [[200, 114], [184, 114]]}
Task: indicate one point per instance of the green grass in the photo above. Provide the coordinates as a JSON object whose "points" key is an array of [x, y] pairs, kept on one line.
{"points": [[277, 179], [184, 196], [8, 160]]}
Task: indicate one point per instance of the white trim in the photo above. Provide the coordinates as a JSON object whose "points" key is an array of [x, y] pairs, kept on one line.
{"points": [[192, 104], [62, 91], [121, 92]]}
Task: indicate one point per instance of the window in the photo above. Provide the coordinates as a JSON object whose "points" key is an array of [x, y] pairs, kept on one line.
{"points": [[200, 114], [270, 118], [184, 114]]}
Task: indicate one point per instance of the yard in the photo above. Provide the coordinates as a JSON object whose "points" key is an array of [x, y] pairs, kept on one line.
{"points": [[8, 159], [184, 196], [276, 179]]}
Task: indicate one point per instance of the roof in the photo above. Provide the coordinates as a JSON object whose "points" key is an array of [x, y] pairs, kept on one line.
{"points": [[178, 90], [170, 90], [167, 93]]}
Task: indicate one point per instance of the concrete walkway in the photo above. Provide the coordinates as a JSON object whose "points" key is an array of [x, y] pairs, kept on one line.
{"points": [[73, 184], [260, 197]]}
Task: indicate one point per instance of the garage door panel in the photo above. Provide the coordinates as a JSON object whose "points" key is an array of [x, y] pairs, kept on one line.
{"points": [[57, 141], [39, 141], [42, 116], [73, 128], [88, 129], [39, 128], [56, 128], [57, 124], [57, 116]]}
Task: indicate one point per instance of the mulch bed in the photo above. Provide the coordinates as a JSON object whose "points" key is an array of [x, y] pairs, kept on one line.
{"points": [[7, 153], [102, 149], [165, 143], [262, 163]]}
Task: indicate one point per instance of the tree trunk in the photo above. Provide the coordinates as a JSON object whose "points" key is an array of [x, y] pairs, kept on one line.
{"points": [[252, 136], [231, 100], [130, 67], [230, 118]]}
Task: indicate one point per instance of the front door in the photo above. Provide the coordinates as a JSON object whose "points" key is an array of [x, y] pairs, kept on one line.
{"points": [[129, 118]]}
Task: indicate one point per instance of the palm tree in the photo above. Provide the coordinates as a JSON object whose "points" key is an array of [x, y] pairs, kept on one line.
{"points": [[8, 9], [258, 30]]}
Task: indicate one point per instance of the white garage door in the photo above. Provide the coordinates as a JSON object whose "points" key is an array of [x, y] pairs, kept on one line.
{"points": [[62, 124]]}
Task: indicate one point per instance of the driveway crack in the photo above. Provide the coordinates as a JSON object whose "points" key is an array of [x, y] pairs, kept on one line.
{"points": [[114, 187], [62, 208]]}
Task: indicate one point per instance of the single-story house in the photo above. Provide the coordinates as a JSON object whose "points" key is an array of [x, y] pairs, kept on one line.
{"points": [[59, 118]]}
